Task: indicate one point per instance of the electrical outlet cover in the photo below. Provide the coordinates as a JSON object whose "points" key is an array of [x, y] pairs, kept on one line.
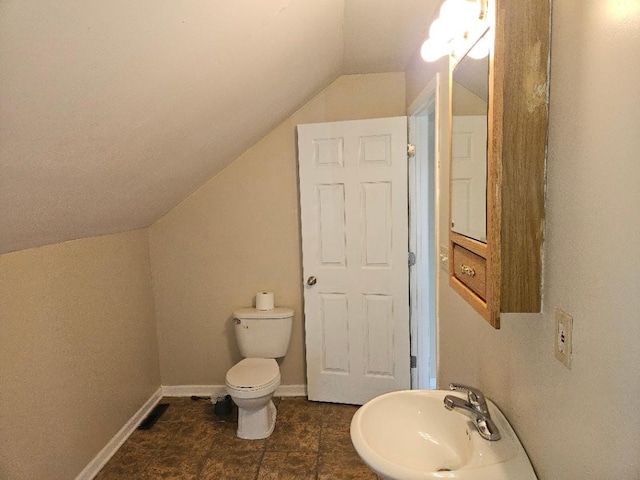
{"points": [[563, 337]]}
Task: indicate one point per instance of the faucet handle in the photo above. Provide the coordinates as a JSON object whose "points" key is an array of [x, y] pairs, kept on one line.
{"points": [[476, 397]]}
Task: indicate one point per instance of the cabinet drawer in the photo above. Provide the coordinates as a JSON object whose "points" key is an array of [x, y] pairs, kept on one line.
{"points": [[470, 269]]}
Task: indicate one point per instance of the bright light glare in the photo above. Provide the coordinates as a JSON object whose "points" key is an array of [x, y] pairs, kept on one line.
{"points": [[440, 31], [460, 11], [429, 438], [480, 49], [432, 50], [623, 9], [448, 33]]}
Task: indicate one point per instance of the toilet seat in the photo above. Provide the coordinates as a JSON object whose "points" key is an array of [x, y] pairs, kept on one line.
{"points": [[253, 377]]}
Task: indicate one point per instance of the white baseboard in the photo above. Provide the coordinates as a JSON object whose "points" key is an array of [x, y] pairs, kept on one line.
{"points": [[291, 391], [189, 390], [92, 469], [100, 460], [219, 390]]}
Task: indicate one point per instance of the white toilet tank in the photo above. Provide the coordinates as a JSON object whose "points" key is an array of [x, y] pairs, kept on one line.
{"points": [[263, 333]]}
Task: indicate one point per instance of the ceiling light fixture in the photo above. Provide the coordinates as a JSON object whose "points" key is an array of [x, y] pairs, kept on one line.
{"points": [[455, 29]]}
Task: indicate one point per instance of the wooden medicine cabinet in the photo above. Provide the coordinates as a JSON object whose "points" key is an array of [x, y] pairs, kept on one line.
{"points": [[496, 249]]}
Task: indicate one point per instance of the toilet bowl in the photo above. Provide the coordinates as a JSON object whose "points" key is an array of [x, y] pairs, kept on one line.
{"points": [[262, 336], [251, 384]]}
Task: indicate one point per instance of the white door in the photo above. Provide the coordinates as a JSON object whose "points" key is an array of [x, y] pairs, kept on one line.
{"points": [[353, 199], [469, 176]]}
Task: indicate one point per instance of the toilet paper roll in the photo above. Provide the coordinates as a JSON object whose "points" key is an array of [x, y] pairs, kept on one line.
{"points": [[264, 301]]}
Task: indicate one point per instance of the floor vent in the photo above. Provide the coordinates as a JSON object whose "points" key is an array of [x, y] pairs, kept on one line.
{"points": [[153, 416]]}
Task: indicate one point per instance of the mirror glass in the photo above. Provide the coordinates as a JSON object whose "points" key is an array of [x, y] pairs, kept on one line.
{"points": [[469, 108]]}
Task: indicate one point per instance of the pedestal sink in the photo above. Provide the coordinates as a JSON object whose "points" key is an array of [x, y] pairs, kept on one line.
{"points": [[410, 435]]}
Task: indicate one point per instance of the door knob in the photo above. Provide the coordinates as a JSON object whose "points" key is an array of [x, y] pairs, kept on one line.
{"points": [[311, 281]]}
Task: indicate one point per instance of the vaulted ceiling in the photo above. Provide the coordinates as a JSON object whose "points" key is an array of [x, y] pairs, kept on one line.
{"points": [[112, 112]]}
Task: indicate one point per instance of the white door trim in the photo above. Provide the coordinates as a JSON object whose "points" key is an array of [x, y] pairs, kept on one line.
{"points": [[423, 234]]}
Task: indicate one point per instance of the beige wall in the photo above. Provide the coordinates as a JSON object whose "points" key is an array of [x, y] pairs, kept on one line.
{"points": [[580, 423], [466, 102], [240, 234], [78, 351]]}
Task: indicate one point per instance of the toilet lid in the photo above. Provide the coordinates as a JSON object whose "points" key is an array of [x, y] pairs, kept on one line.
{"points": [[253, 372]]}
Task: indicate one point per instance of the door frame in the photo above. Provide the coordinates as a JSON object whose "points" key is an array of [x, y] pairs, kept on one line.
{"points": [[424, 133]]}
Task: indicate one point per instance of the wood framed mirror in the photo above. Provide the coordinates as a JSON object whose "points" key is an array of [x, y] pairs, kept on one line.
{"points": [[502, 272]]}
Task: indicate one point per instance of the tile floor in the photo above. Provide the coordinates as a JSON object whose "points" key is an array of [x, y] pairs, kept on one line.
{"points": [[310, 442]]}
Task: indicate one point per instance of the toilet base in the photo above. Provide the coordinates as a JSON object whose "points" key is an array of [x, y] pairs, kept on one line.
{"points": [[256, 424]]}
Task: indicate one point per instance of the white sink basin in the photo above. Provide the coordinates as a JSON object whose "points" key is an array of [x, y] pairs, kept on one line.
{"points": [[410, 435]]}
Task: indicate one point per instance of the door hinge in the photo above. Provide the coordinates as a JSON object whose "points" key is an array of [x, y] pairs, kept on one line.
{"points": [[413, 361], [412, 259], [411, 150]]}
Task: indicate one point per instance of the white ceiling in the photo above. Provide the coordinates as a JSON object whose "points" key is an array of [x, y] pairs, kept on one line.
{"points": [[112, 112]]}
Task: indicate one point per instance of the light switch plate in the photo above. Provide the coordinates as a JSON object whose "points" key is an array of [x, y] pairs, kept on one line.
{"points": [[563, 337]]}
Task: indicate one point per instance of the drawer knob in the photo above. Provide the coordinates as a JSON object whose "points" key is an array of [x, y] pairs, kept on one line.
{"points": [[467, 270]]}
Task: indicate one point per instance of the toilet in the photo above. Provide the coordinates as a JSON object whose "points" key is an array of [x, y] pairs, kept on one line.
{"points": [[262, 336]]}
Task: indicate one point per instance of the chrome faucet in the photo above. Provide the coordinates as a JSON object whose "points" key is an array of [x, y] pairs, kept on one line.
{"points": [[476, 405]]}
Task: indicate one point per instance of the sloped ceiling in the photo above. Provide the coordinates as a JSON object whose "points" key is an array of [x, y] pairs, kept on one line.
{"points": [[112, 112]]}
